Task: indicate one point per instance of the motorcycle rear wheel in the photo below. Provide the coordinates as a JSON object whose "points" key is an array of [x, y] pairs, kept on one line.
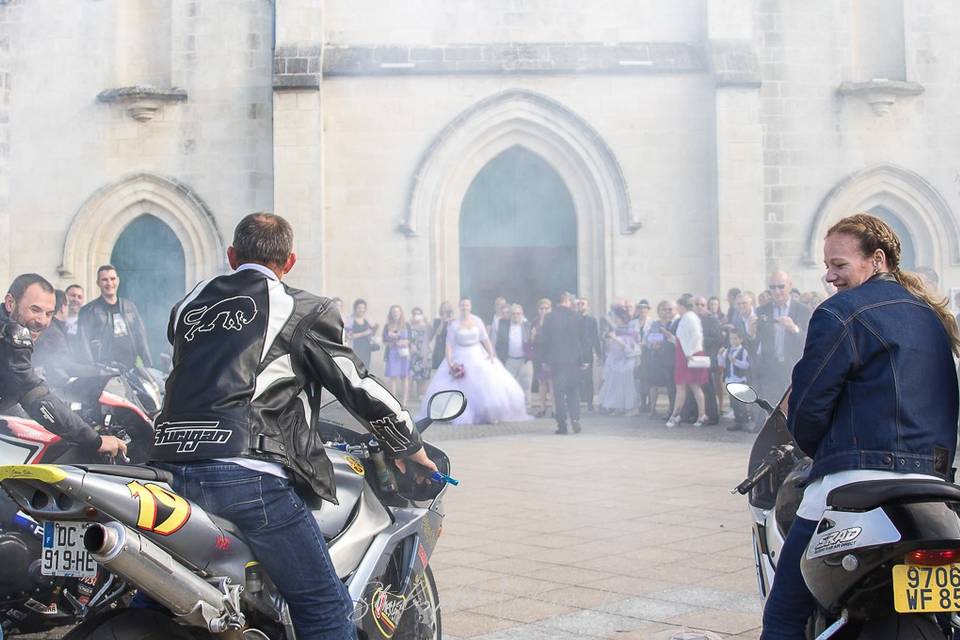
{"points": [[902, 627], [412, 626], [131, 624]]}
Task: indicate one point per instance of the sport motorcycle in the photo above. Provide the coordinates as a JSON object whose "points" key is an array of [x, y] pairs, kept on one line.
{"points": [[128, 521], [32, 598], [884, 561]]}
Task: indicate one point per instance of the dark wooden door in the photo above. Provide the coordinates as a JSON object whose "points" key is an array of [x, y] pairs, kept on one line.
{"points": [[149, 259], [518, 234]]}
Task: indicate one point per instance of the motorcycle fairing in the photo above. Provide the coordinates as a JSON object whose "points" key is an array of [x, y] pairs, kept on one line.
{"points": [[413, 536], [842, 532], [928, 525]]}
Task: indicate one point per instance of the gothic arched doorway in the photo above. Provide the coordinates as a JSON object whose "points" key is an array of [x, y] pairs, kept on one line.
{"points": [[150, 261], [518, 233]]}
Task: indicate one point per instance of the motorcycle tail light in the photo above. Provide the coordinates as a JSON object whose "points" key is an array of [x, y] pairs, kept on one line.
{"points": [[933, 556]]}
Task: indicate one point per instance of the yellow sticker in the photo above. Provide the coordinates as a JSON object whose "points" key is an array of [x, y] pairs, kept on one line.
{"points": [[47, 473], [354, 464], [176, 510]]}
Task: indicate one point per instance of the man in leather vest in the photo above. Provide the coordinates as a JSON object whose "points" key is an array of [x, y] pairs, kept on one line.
{"points": [[27, 310], [251, 358]]}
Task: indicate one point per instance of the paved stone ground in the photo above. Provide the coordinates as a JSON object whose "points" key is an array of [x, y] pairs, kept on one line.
{"points": [[626, 531]]}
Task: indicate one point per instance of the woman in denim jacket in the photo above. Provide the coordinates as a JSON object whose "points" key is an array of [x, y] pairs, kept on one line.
{"points": [[874, 394]]}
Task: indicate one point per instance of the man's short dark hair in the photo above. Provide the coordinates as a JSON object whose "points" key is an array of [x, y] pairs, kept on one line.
{"points": [[73, 286], [566, 296], [104, 267], [24, 281], [265, 238], [61, 298]]}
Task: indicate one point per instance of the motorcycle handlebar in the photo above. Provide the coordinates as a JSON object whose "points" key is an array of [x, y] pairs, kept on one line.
{"points": [[773, 459], [744, 487]]}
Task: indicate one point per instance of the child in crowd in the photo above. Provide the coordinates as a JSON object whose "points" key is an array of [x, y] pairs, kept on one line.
{"points": [[735, 362]]}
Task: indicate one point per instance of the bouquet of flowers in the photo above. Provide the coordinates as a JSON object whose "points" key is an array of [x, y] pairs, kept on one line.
{"points": [[457, 370]]}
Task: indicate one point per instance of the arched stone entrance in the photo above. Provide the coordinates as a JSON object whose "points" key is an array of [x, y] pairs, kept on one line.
{"points": [[518, 233], [546, 128], [150, 259], [900, 197], [98, 223]]}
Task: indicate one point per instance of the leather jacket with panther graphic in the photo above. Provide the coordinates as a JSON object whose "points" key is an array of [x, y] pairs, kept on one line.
{"points": [[253, 360]]}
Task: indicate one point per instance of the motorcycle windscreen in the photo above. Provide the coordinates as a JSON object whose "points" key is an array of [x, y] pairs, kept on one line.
{"points": [[774, 433]]}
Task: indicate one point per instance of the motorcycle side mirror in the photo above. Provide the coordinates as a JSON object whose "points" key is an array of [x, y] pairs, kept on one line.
{"points": [[742, 392], [446, 405]]}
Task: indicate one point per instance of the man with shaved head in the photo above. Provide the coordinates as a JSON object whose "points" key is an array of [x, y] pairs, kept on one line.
{"points": [[780, 330]]}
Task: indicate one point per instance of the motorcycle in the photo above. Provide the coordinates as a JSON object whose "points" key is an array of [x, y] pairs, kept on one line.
{"points": [[128, 521], [31, 598], [884, 561]]}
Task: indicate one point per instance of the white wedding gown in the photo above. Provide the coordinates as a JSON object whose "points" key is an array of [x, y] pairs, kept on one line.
{"points": [[493, 395]]}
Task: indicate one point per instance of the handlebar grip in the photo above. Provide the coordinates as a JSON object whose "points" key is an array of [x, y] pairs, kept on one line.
{"points": [[752, 481], [441, 478]]}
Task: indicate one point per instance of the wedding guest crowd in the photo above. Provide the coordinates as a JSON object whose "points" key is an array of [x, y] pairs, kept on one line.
{"points": [[672, 360]]}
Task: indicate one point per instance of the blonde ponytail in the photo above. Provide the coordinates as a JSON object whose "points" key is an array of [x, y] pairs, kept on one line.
{"points": [[917, 287]]}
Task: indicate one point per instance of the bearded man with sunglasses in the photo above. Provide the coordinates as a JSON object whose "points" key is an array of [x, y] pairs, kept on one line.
{"points": [[780, 330]]}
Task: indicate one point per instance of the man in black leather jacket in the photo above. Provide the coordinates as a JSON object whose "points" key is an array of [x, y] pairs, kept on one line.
{"points": [[252, 360], [28, 307], [112, 326]]}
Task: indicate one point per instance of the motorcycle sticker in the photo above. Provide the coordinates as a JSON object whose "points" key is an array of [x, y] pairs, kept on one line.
{"points": [[355, 464], [837, 539], [386, 609], [851, 531], [161, 511]]}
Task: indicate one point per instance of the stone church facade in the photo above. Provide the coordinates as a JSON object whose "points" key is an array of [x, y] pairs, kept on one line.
{"points": [[693, 145]]}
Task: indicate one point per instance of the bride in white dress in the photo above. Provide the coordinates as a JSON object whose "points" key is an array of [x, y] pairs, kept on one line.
{"points": [[493, 395]]}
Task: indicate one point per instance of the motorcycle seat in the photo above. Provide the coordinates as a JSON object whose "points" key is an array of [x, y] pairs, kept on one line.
{"points": [[870, 494], [135, 471]]}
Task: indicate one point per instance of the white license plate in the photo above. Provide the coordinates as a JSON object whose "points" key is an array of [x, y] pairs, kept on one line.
{"points": [[63, 552]]}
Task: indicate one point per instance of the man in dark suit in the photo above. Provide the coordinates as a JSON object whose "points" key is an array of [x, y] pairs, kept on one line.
{"points": [[566, 350], [592, 329], [780, 330]]}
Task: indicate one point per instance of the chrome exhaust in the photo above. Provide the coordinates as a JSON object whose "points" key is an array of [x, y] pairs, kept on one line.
{"points": [[143, 563]]}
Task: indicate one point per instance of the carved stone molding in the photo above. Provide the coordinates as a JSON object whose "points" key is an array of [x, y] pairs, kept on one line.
{"points": [[143, 102], [926, 214], [881, 95]]}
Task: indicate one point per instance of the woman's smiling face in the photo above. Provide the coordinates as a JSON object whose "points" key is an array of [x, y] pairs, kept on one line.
{"points": [[847, 267]]}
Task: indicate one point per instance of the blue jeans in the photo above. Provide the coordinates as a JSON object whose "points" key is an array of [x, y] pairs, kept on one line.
{"points": [[282, 534], [790, 603]]}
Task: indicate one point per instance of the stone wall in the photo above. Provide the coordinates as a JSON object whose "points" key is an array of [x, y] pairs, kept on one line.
{"points": [[377, 130], [10, 12], [472, 21], [69, 145], [816, 137]]}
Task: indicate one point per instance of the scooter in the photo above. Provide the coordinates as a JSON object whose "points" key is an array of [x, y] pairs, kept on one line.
{"points": [[32, 599], [128, 521], [885, 559]]}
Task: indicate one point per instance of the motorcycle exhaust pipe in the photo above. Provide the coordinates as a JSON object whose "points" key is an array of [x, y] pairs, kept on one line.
{"points": [[141, 562]]}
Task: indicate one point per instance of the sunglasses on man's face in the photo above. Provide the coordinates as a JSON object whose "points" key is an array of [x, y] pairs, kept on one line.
{"points": [[774, 287]]}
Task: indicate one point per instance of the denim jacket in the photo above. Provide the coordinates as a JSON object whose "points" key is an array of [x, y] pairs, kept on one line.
{"points": [[876, 387]]}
